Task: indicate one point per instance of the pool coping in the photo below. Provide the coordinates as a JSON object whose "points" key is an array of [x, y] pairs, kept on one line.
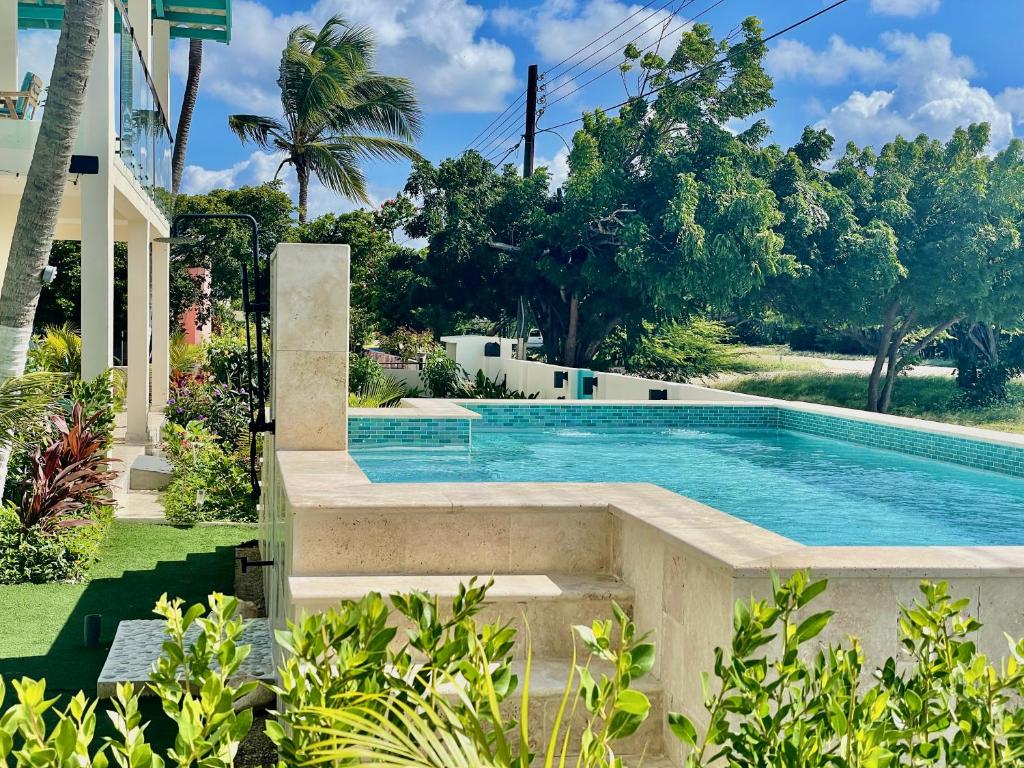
{"points": [[331, 482]]}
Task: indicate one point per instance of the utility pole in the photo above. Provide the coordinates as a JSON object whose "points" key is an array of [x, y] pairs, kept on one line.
{"points": [[529, 144], [529, 136]]}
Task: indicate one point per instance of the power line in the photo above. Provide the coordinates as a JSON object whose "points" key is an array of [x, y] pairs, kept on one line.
{"points": [[608, 32], [680, 5], [683, 80], [477, 138], [671, 32], [500, 133]]}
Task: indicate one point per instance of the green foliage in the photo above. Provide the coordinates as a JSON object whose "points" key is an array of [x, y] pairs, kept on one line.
{"points": [[665, 213], [39, 557], [674, 351], [192, 680], [362, 369], [777, 701], [441, 375], [58, 350], [338, 110], [482, 388], [99, 398], [210, 480], [25, 404], [408, 343], [382, 392], [384, 677], [227, 358], [222, 411], [185, 358]]}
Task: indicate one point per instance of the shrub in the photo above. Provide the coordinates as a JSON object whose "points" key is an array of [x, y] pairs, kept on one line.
{"points": [[776, 701], [97, 397], [674, 351], [58, 350], [383, 392], [483, 388], [408, 344], [39, 557], [227, 356], [441, 375], [362, 369], [221, 410], [210, 479]]}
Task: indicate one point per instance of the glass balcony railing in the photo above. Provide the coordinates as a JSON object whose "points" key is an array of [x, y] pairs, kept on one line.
{"points": [[144, 136]]}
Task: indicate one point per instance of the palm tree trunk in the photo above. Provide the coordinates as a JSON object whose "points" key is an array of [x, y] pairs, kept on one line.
{"points": [[188, 105], [303, 174], [44, 187]]}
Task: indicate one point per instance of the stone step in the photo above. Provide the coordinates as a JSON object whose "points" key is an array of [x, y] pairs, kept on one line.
{"points": [[548, 679], [550, 603], [149, 473]]}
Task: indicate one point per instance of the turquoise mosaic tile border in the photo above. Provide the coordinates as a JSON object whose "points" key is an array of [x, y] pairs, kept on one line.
{"points": [[411, 431], [496, 416], [405, 431], [976, 454]]}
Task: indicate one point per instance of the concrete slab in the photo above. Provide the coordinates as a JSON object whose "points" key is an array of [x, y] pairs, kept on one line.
{"points": [[149, 473]]}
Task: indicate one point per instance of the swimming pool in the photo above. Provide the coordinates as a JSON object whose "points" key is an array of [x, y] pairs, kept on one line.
{"points": [[812, 489]]}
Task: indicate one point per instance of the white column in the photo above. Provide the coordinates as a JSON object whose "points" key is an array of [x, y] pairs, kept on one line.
{"points": [[161, 58], [97, 138], [309, 304], [161, 325], [138, 332], [9, 80]]}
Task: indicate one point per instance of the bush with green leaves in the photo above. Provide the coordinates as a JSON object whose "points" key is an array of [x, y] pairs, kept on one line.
{"points": [[210, 479], [362, 369], [221, 410], [441, 375], [672, 350], [776, 698], [35, 556], [226, 359]]}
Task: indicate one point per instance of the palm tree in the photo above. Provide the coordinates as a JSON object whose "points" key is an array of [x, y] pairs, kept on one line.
{"points": [[188, 105], [44, 187], [337, 111]]}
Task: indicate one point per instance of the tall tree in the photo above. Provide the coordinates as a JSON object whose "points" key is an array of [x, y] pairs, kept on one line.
{"points": [[188, 106], [338, 111], [666, 212], [44, 187]]}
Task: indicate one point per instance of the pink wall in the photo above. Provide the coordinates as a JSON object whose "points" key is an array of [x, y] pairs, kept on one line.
{"points": [[197, 334]]}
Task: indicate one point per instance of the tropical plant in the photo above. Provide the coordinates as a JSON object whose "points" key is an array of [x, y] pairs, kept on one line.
{"points": [[185, 357], [408, 343], [380, 392], [35, 557], [210, 480], [672, 350], [58, 349], [44, 187], [337, 111], [69, 475], [188, 105], [25, 402], [482, 388], [224, 412], [441, 375], [99, 399], [777, 701]]}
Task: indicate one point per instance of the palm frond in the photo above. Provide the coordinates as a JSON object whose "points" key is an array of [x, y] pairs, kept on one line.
{"points": [[260, 130], [58, 350], [26, 401], [379, 147], [185, 357], [385, 105], [336, 165], [380, 392]]}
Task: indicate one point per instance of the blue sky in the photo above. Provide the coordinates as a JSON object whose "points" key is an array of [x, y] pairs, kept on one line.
{"points": [[867, 70]]}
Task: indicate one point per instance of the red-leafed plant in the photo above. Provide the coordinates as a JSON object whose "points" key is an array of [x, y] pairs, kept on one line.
{"points": [[71, 473]]}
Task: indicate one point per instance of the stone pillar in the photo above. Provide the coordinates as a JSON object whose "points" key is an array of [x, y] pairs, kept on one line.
{"points": [[161, 325], [97, 193], [309, 292], [138, 332], [9, 76]]}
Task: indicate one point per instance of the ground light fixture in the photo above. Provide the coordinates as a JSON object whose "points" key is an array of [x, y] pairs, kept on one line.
{"points": [[255, 306]]}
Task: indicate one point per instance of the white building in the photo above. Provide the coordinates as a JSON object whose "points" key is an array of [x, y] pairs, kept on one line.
{"points": [[120, 186]]}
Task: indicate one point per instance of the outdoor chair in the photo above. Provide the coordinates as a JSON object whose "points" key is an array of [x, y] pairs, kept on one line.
{"points": [[21, 105]]}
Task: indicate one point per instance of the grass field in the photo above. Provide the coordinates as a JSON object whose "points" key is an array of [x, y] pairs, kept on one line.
{"points": [[934, 398], [41, 625]]}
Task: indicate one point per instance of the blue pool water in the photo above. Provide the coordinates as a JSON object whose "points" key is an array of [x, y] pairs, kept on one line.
{"points": [[811, 489]]}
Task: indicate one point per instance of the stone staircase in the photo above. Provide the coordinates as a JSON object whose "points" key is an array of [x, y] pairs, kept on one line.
{"points": [[561, 591]]}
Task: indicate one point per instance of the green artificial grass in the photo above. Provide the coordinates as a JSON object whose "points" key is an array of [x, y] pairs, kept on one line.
{"points": [[41, 625], [934, 398]]}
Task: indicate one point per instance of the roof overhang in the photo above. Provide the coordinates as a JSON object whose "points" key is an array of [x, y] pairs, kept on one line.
{"points": [[193, 19]]}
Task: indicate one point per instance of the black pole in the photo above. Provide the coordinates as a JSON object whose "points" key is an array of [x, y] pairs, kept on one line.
{"points": [[529, 136]]}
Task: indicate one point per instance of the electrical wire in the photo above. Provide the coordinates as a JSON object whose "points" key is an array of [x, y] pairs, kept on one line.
{"points": [[687, 78], [477, 138], [614, 67]]}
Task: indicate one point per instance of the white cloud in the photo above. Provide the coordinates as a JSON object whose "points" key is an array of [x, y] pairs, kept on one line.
{"points": [[909, 8], [37, 49], [559, 28], [930, 92], [792, 59], [558, 168], [435, 43]]}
